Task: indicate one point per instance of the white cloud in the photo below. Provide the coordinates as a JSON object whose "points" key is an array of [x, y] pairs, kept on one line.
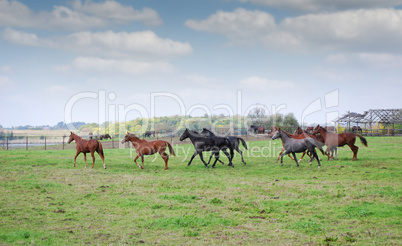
{"points": [[345, 30], [99, 65], [263, 84], [380, 60], [5, 81], [318, 5], [238, 26], [115, 11], [107, 44], [84, 16]]}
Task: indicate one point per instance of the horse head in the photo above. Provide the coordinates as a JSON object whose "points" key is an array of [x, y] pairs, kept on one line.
{"points": [[126, 138], [276, 134], [316, 130], [185, 134], [71, 137], [207, 133]]}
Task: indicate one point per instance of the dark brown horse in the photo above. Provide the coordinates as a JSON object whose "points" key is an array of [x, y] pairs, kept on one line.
{"points": [[260, 130], [87, 146], [105, 136], [333, 140], [357, 129], [143, 147]]}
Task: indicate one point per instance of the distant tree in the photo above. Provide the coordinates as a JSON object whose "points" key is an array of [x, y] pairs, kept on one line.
{"points": [[290, 122], [259, 117]]}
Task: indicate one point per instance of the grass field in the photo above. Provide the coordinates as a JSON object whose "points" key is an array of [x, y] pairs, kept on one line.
{"points": [[46, 201]]}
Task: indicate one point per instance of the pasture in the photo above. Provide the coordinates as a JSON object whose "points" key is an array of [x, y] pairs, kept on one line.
{"points": [[46, 201]]}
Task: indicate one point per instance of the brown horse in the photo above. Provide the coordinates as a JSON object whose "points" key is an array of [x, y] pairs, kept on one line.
{"points": [[309, 129], [260, 130], [87, 146], [331, 129], [143, 147], [333, 140]]}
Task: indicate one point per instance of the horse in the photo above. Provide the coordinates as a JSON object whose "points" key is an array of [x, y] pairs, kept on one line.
{"points": [[333, 140], [294, 146], [303, 135], [357, 129], [143, 147], [309, 129], [253, 128], [149, 133], [87, 146], [235, 141], [214, 144], [105, 136], [331, 129], [260, 130]]}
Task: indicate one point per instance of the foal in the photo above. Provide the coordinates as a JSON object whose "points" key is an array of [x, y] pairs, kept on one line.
{"points": [[143, 147], [87, 146], [294, 146]]}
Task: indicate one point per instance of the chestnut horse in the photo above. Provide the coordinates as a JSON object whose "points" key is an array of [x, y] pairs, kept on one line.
{"points": [[143, 147], [333, 140], [87, 146]]}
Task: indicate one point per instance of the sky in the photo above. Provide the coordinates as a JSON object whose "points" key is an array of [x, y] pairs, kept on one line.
{"points": [[96, 61]]}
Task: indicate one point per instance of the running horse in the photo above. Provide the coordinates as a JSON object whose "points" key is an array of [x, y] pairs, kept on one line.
{"points": [[87, 146], [293, 146], [333, 140], [143, 147]]}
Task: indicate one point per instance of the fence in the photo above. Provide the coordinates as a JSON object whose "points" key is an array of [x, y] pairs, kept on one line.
{"points": [[60, 142]]}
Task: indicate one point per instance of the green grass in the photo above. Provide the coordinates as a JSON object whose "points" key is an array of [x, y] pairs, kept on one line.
{"points": [[46, 201]]}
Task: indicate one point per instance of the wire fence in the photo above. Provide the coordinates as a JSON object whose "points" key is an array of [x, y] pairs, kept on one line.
{"points": [[60, 142]]}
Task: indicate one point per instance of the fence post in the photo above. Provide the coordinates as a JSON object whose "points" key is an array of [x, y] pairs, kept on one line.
{"points": [[45, 143], [7, 143], [27, 144], [112, 142], [63, 142]]}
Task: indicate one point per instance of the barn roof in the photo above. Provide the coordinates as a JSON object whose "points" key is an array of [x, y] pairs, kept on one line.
{"points": [[386, 116]]}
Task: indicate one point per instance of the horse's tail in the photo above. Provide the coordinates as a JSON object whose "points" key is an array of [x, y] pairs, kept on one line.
{"points": [[100, 149], [318, 145], [362, 139], [171, 150], [243, 142]]}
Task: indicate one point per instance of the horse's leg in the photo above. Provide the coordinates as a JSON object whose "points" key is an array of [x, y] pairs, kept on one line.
{"points": [[191, 159], [135, 160], [75, 158], [241, 154], [100, 153], [316, 157], [294, 156], [280, 154], [301, 158], [202, 159], [216, 154], [165, 157], [93, 159], [336, 153], [286, 153], [85, 159], [354, 148], [227, 154], [142, 161]]}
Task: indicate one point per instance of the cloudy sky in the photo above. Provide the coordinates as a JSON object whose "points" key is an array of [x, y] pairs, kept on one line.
{"points": [[87, 60]]}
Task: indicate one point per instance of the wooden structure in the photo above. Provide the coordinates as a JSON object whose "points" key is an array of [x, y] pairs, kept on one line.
{"points": [[387, 117]]}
